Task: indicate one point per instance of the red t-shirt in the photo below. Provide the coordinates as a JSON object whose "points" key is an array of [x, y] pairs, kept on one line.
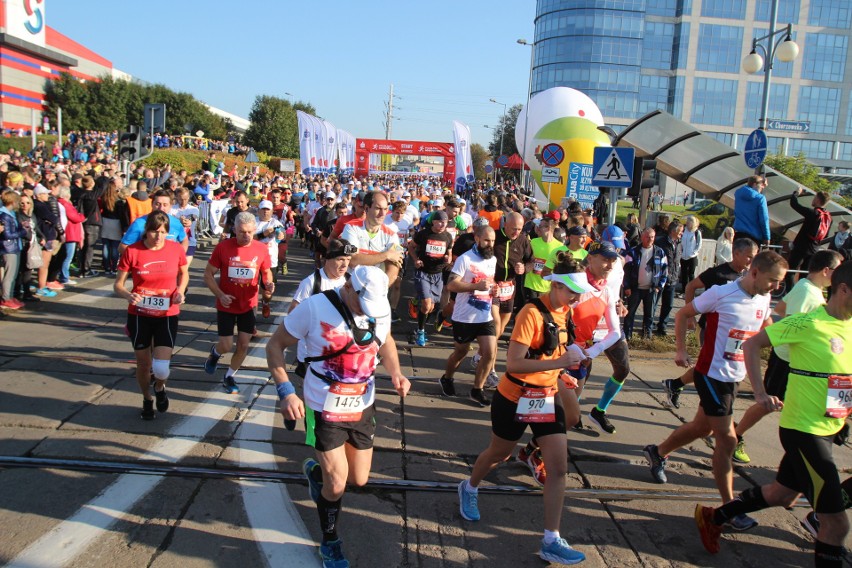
{"points": [[239, 272], [155, 276]]}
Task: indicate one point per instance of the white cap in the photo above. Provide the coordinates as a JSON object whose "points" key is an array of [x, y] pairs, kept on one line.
{"points": [[265, 204], [371, 285], [575, 281]]}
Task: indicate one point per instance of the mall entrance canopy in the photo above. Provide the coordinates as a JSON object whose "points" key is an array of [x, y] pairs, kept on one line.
{"points": [[714, 169]]}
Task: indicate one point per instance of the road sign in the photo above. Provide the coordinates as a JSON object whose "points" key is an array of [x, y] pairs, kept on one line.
{"points": [[613, 167], [154, 115], [551, 175], [489, 166], [801, 126], [503, 160], [552, 154], [755, 149]]}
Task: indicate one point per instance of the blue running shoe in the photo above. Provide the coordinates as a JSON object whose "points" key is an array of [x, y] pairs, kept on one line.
{"points": [[468, 505], [332, 554], [45, 293], [211, 362], [742, 523], [560, 552], [230, 385], [314, 486], [420, 338]]}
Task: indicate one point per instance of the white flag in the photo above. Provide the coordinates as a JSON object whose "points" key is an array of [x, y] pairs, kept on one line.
{"points": [[464, 164], [306, 143]]}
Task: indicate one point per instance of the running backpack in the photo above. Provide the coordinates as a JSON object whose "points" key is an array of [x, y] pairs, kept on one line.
{"points": [[551, 332], [824, 225]]}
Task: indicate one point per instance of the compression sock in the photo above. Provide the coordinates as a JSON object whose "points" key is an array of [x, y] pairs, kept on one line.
{"points": [[531, 446], [828, 555], [677, 384], [611, 389], [748, 501], [329, 513], [421, 320]]}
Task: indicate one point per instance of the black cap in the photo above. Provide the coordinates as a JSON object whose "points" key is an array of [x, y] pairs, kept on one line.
{"points": [[604, 249]]}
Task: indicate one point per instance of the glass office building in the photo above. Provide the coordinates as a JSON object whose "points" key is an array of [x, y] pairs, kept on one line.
{"points": [[636, 56]]}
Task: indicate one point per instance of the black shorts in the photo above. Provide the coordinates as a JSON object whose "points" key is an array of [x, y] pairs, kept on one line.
{"points": [[775, 379], [145, 330], [225, 322], [331, 435], [717, 397], [808, 467], [468, 332], [504, 425], [506, 306]]}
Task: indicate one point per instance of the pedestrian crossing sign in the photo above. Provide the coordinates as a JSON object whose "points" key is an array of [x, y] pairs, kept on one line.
{"points": [[613, 167]]}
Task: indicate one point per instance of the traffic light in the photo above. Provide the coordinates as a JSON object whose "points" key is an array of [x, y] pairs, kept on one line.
{"points": [[640, 182], [130, 144]]}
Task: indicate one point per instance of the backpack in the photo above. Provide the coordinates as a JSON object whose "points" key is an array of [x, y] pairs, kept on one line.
{"points": [[824, 225], [551, 332]]}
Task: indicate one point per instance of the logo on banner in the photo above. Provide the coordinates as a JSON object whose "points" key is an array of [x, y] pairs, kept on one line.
{"points": [[39, 19], [463, 143], [306, 134], [452, 149], [363, 145], [331, 139], [316, 136]]}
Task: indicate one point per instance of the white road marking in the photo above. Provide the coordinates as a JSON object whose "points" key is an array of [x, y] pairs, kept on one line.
{"points": [[90, 296]]}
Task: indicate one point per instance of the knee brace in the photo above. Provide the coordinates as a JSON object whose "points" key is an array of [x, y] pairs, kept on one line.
{"points": [[160, 368]]}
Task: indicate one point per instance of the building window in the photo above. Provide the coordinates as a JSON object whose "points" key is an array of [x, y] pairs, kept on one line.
{"points": [[714, 101], [719, 48], [820, 106], [812, 149], [788, 11], [830, 14], [680, 46], [676, 96], [826, 57], [779, 99], [731, 9], [846, 151], [723, 137], [653, 94], [657, 45], [590, 22]]}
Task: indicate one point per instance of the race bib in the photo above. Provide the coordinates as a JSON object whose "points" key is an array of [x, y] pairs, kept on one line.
{"points": [[344, 402], [538, 265], [838, 402], [505, 290], [536, 405], [600, 331], [436, 249], [241, 274], [734, 344], [154, 302]]}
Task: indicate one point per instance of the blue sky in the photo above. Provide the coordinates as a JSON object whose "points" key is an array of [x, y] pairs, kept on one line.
{"points": [[446, 59]]}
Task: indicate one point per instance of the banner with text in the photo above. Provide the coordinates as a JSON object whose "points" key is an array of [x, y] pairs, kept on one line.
{"points": [[307, 156], [368, 152], [464, 164]]}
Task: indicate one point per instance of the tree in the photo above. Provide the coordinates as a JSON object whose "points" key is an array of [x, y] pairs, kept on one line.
{"points": [[508, 122], [274, 128], [478, 155], [72, 96], [798, 168]]}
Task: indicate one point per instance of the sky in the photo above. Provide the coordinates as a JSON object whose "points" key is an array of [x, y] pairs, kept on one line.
{"points": [[445, 59]]}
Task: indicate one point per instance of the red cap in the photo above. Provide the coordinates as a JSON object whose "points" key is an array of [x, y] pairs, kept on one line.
{"points": [[554, 215]]}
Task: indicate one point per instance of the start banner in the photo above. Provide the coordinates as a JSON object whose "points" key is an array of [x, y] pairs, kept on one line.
{"points": [[366, 148]]}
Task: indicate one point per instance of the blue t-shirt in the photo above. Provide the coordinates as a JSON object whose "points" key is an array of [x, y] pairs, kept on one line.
{"points": [[136, 231]]}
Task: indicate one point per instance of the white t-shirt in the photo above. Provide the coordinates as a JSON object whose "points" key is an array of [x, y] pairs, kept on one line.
{"points": [[305, 291], [411, 213], [732, 317], [382, 240], [473, 307], [318, 324], [270, 242], [401, 227], [646, 278], [181, 212]]}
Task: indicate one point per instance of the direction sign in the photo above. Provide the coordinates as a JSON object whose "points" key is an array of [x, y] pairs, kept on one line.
{"points": [[755, 149], [552, 154], [613, 167], [551, 175], [788, 125]]}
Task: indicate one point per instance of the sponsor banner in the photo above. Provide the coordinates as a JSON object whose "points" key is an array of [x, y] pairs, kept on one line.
{"points": [[367, 154], [25, 20], [306, 144], [464, 164]]}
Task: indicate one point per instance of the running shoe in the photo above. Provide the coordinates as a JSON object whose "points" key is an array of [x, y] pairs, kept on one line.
{"points": [[148, 410], [492, 379], [212, 360], [413, 306], [672, 394], [811, 524], [45, 293], [474, 362], [578, 427], [395, 318], [11, 304], [468, 502], [656, 462], [742, 523], [284, 269], [477, 396], [162, 400], [560, 552], [534, 462], [70, 282], [420, 338], [55, 286], [89, 274], [314, 486], [448, 386], [600, 422], [708, 530], [230, 385], [331, 553], [265, 309], [740, 455]]}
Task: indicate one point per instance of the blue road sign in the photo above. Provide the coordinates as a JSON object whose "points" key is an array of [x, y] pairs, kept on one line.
{"points": [[755, 149], [488, 167], [613, 167], [552, 154], [789, 125], [503, 160]]}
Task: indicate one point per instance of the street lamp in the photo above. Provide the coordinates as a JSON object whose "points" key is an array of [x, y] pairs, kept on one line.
{"points": [[784, 48], [503, 125], [527, 113]]}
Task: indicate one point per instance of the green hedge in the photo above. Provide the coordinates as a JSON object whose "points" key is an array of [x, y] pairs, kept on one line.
{"points": [[23, 144]]}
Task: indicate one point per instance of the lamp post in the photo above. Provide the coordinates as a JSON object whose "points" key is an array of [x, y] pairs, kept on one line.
{"points": [[784, 48], [527, 113], [502, 125]]}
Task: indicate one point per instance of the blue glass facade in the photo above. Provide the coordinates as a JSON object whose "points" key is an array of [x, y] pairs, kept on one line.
{"points": [[633, 57]]}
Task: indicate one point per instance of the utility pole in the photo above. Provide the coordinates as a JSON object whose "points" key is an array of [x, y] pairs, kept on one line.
{"points": [[389, 115]]}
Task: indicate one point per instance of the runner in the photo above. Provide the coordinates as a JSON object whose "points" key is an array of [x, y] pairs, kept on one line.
{"points": [[540, 347], [188, 214], [735, 312], [160, 201], [542, 248], [430, 249], [472, 278], [269, 232], [814, 411], [244, 264], [339, 388], [160, 274], [397, 219], [378, 244], [514, 258]]}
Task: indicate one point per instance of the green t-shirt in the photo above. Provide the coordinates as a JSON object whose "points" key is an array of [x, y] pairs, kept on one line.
{"points": [[802, 298], [578, 255], [541, 253], [818, 344]]}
